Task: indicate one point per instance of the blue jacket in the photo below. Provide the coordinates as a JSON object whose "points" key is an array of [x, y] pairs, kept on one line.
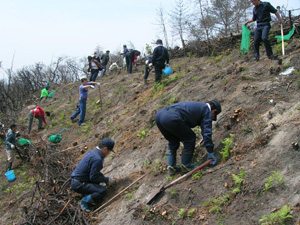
{"points": [[10, 139], [88, 169], [160, 56], [197, 114], [261, 13]]}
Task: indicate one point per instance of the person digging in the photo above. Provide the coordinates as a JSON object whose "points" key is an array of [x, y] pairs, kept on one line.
{"points": [[86, 177], [175, 123], [39, 114]]}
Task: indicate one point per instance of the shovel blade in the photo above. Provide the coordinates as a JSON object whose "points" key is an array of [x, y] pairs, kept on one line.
{"points": [[155, 194]]}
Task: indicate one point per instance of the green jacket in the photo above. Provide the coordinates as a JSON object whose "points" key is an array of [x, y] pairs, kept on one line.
{"points": [[10, 139], [44, 93]]}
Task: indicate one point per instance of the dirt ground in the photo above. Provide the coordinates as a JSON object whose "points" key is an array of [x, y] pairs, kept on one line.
{"points": [[264, 129]]}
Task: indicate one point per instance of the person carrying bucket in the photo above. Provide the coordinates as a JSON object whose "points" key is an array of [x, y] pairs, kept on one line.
{"points": [[10, 144], [160, 57]]}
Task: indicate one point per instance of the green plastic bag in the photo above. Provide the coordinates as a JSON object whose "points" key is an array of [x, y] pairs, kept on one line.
{"points": [[23, 142], [285, 37], [245, 44], [56, 138], [51, 94]]}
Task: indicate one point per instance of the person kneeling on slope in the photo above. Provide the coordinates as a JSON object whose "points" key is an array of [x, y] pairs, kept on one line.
{"points": [[86, 177]]}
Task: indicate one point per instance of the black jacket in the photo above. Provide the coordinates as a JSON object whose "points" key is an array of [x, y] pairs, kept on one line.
{"points": [[160, 56]]}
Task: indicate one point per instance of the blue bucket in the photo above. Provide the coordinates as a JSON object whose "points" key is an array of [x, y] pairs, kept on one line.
{"points": [[167, 71], [10, 175]]}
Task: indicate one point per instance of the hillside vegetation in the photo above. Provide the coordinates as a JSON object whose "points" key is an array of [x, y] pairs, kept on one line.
{"points": [[255, 181]]}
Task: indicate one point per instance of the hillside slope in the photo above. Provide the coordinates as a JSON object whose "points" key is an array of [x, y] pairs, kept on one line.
{"points": [[265, 125]]}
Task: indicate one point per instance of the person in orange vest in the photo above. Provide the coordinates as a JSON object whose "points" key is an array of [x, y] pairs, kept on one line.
{"points": [[39, 114]]}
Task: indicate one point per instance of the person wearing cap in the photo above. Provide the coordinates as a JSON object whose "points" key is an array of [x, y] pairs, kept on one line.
{"points": [[96, 56], [83, 94], [44, 92], [39, 114], [10, 144], [104, 62], [160, 57], [94, 67], [86, 177], [47, 86], [175, 123]]}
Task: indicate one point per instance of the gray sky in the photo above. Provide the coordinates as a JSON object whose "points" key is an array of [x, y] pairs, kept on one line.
{"points": [[41, 31]]}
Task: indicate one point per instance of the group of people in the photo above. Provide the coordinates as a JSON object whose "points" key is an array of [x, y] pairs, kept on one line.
{"points": [[96, 65], [175, 122]]}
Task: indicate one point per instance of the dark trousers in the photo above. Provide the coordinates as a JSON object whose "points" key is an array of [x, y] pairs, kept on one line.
{"points": [[128, 63], [96, 191], [261, 34], [94, 74], [31, 120], [80, 111], [175, 130], [158, 71], [147, 71]]}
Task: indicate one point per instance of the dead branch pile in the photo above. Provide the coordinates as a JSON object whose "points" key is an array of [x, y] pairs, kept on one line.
{"points": [[52, 201]]}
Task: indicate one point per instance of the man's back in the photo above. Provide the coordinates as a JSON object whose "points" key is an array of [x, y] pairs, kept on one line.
{"points": [[160, 56]]}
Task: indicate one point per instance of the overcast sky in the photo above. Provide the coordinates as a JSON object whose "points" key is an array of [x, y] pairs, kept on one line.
{"points": [[41, 31]]}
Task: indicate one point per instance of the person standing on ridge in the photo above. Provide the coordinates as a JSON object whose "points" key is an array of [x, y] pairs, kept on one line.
{"points": [[104, 62], [126, 55], [86, 177], [175, 123], [83, 94], [94, 68], [160, 57], [262, 16]]}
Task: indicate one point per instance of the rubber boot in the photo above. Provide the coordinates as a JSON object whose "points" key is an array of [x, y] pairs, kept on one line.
{"points": [[8, 166], [186, 163], [85, 203], [172, 167]]}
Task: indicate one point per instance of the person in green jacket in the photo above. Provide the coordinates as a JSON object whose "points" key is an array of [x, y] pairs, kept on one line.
{"points": [[44, 93], [10, 144]]}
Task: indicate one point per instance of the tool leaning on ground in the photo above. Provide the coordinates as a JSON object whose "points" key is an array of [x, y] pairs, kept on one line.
{"points": [[164, 187]]}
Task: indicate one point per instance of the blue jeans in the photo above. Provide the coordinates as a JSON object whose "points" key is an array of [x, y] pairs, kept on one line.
{"points": [[261, 34], [94, 74], [81, 111], [103, 71]]}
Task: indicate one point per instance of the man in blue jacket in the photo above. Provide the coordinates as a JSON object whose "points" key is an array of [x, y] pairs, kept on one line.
{"points": [[10, 144], [86, 177], [160, 57], [175, 123], [262, 16]]}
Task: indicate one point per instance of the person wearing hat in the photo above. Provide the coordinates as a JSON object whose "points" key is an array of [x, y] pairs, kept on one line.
{"points": [[104, 62], [86, 177], [47, 86], [44, 92], [175, 123], [126, 55], [96, 56], [160, 57]]}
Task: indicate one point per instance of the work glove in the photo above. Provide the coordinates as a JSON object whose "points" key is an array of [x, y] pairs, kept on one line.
{"points": [[92, 86], [12, 147], [212, 156], [98, 84], [150, 64]]}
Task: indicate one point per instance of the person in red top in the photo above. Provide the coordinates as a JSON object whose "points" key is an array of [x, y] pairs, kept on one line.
{"points": [[38, 113]]}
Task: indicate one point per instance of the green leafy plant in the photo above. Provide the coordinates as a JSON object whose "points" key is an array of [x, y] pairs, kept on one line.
{"points": [[278, 217], [197, 175], [191, 212], [169, 178], [215, 210], [238, 180], [181, 213], [142, 134], [271, 180], [173, 193], [225, 151]]}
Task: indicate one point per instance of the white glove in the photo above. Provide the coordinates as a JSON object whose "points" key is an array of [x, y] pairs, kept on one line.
{"points": [[150, 64], [92, 86], [103, 70], [12, 147], [98, 84]]}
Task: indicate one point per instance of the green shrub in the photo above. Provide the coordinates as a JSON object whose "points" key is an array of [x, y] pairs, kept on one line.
{"points": [[225, 151], [181, 213], [271, 180], [278, 217], [191, 212]]}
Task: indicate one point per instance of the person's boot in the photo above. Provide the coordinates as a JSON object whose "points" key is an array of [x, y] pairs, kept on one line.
{"points": [[8, 166], [145, 81], [172, 167], [85, 203], [186, 163]]}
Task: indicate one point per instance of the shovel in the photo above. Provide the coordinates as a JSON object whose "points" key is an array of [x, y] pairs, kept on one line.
{"points": [[164, 187]]}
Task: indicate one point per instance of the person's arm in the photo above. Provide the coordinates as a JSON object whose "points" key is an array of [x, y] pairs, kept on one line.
{"points": [[95, 175], [206, 131], [8, 139], [279, 17], [90, 66], [44, 120], [167, 56], [249, 21]]}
